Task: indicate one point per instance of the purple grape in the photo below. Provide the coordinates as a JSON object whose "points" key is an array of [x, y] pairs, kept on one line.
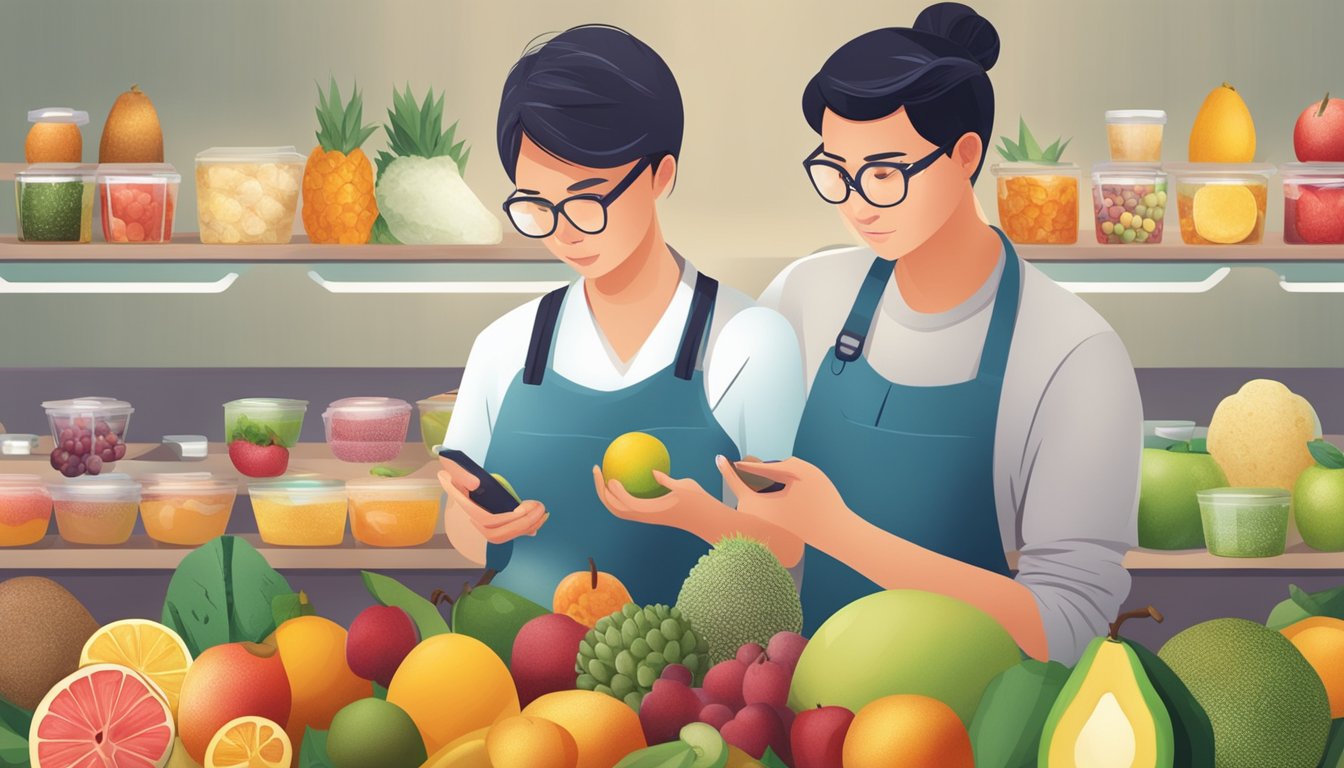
{"points": [[119, 451], [107, 454], [80, 448], [93, 465], [678, 673], [111, 438], [102, 428], [68, 445], [72, 469], [58, 459], [67, 434]]}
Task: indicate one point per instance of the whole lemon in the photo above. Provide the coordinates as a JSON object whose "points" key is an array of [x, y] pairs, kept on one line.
{"points": [[632, 458], [451, 685], [523, 741]]}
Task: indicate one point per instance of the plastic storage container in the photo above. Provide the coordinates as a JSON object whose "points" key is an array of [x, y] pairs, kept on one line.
{"points": [[1222, 204], [137, 202], [54, 203], [394, 512], [366, 430], [1038, 203], [1245, 522], [435, 413], [96, 510], [300, 513], [1135, 135], [278, 415], [55, 136], [248, 194], [1129, 201], [186, 508], [18, 445], [89, 433], [1313, 203], [25, 510]]}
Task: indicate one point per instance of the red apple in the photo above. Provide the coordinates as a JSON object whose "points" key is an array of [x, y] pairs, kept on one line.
{"points": [[756, 727], [786, 648], [766, 682], [818, 737], [1319, 133], [229, 681], [543, 656], [1320, 214], [723, 683], [379, 638]]}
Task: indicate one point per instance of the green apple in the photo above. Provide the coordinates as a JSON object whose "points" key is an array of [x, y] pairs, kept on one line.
{"points": [[1318, 499], [1168, 508]]}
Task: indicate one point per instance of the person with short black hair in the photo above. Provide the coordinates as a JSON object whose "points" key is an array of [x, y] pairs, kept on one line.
{"points": [[590, 129]]}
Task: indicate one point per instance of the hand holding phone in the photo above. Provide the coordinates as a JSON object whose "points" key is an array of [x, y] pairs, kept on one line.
{"points": [[756, 482], [490, 494]]}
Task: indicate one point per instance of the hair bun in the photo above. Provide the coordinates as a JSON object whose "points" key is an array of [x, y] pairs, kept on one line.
{"points": [[963, 26]]}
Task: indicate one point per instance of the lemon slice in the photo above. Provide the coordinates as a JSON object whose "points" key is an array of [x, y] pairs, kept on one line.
{"points": [[249, 742], [153, 650], [1225, 213]]}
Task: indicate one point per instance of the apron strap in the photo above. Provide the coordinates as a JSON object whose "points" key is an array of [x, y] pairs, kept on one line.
{"points": [[849, 344], [697, 320], [1003, 321], [543, 335]]}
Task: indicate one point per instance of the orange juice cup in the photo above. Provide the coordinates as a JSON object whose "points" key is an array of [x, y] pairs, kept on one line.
{"points": [[25, 510], [96, 509], [187, 508], [394, 512], [300, 513], [1038, 202]]}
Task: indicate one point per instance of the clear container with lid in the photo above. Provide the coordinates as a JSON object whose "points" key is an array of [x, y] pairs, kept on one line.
{"points": [[186, 508], [18, 445], [248, 194], [1222, 203], [96, 510], [300, 512], [54, 203], [1245, 522], [25, 510], [366, 430], [1135, 135], [89, 433], [1313, 203], [137, 201], [1129, 201], [394, 511], [277, 415], [55, 136], [1038, 202], [435, 414]]}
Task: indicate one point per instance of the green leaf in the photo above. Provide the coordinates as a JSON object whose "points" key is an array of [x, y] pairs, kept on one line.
{"points": [[1179, 447], [379, 692], [771, 760], [1027, 141], [313, 754], [385, 471], [291, 606], [223, 592], [1326, 454], [14, 717], [1010, 151], [1304, 600], [389, 591], [13, 749], [1062, 147], [1199, 445]]}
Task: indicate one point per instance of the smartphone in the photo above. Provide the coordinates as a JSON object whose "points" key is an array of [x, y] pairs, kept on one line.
{"points": [[756, 482], [490, 494]]}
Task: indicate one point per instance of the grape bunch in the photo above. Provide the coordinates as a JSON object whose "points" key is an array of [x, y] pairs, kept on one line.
{"points": [[746, 698], [80, 450]]}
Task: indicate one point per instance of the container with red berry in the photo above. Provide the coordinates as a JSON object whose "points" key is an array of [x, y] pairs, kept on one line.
{"points": [[1313, 203], [137, 202], [366, 430], [89, 432], [1129, 201]]}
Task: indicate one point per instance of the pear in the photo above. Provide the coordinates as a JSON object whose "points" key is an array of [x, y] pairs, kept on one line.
{"points": [[132, 133]]}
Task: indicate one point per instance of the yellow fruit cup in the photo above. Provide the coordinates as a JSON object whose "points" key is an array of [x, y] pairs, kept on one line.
{"points": [[1222, 204], [394, 512], [1038, 202], [300, 513]]}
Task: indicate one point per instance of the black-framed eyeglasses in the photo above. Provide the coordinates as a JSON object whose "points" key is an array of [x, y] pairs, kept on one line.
{"points": [[538, 217], [883, 183]]}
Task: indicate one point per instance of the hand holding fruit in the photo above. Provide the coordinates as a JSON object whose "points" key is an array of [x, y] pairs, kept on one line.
{"points": [[525, 520], [684, 505]]}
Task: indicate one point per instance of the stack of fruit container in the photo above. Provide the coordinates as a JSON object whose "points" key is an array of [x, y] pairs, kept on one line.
{"points": [[1129, 194]]}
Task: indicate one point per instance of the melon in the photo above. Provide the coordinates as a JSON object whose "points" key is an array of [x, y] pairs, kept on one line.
{"points": [[103, 714]]}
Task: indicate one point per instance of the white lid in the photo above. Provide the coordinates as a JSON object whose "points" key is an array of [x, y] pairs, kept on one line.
{"points": [[1178, 433], [113, 486], [442, 402], [18, 445], [1137, 116], [367, 407], [250, 155], [1244, 495], [299, 490], [138, 173], [267, 404], [186, 482], [1033, 169], [17, 484], [1228, 173], [58, 115], [55, 173], [1128, 173], [1330, 171], [393, 484], [83, 405]]}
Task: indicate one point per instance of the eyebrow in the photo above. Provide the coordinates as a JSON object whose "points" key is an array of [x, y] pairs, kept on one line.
{"points": [[832, 155], [522, 191], [882, 156], [586, 183]]}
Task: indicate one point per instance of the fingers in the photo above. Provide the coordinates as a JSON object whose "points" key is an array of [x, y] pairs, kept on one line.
{"points": [[778, 471], [637, 507], [486, 520], [732, 480], [682, 484], [460, 477], [528, 525]]}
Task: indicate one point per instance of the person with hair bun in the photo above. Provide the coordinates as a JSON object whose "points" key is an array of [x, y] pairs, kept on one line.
{"points": [[961, 404]]}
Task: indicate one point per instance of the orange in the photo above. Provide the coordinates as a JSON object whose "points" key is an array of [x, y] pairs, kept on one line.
{"points": [[604, 729], [910, 731], [586, 596], [1321, 641], [452, 685], [250, 742], [523, 741], [147, 647], [54, 143], [312, 650]]}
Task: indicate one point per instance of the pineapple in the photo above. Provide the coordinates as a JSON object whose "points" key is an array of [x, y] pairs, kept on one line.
{"points": [[1037, 204], [339, 205], [421, 194], [1026, 150]]}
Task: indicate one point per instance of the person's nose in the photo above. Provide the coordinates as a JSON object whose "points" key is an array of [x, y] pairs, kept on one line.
{"points": [[567, 233], [865, 215]]}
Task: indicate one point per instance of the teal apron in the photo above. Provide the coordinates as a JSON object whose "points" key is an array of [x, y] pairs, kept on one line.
{"points": [[550, 434], [917, 462]]}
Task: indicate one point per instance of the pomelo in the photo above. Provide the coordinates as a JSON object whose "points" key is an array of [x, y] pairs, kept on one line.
{"points": [[103, 714]]}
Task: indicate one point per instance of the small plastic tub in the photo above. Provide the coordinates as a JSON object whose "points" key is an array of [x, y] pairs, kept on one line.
{"points": [[1135, 135], [1129, 201], [186, 508], [276, 415], [96, 510], [367, 430], [1038, 202], [300, 512], [54, 203], [435, 414], [1245, 522], [89, 433], [1222, 204], [18, 445], [248, 194], [1313, 203], [25, 510], [1164, 433], [137, 201], [394, 512]]}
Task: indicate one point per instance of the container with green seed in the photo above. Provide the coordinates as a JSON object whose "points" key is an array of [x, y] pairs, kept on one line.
{"points": [[54, 203]]}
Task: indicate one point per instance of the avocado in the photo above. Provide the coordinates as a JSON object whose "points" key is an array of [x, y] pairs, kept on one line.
{"points": [[1006, 730], [494, 616]]}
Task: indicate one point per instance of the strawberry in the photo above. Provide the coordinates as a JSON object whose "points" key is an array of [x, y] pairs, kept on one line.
{"points": [[259, 460], [1320, 214]]}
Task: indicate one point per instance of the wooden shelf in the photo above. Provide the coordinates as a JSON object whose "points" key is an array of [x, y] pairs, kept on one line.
{"points": [[1273, 249], [1295, 558]]}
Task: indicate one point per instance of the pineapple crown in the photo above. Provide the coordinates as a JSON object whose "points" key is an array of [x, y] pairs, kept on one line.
{"points": [[1027, 150], [416, 131], [339, 128]]}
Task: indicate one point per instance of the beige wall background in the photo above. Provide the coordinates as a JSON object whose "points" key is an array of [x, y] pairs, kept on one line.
{"points": [[243, 72]]}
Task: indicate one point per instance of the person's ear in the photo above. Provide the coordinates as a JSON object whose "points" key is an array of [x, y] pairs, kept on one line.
{"points": [[664, 175], [967, 153]]}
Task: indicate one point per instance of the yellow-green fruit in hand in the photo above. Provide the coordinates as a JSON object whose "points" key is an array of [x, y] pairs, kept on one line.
{"points": [[632, 458], [507, 486]]}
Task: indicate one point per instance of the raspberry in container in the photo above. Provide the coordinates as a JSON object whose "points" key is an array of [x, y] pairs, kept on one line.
{"points": [[1129, 201], [1313, 203], [137, 202], [96, 510], [248, 194], [366, 430], [25, 510]]}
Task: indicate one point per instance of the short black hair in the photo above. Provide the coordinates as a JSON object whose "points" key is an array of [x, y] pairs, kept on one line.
{"points": [[937, 70], [594, 95]]}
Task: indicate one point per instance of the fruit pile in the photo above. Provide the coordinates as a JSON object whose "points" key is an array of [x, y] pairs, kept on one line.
{"points": [[1130, 213], [247, 202], [85, 445], [137, 213]]}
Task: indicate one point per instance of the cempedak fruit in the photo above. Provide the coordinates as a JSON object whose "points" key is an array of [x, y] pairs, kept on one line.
{"points": [[1224, 131], [626, 652], [738, 593], [42, 633], [1169, 516], [1266, 703], [1006, 730], [132, 133]]}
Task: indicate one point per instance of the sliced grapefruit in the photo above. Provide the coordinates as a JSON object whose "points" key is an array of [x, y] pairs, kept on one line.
{"points": [[249, 742], [102, 716], [148, 647]]}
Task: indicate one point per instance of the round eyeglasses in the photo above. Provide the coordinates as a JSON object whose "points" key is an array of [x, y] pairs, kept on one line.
{"points": [[538, 217], [882, 183]]}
